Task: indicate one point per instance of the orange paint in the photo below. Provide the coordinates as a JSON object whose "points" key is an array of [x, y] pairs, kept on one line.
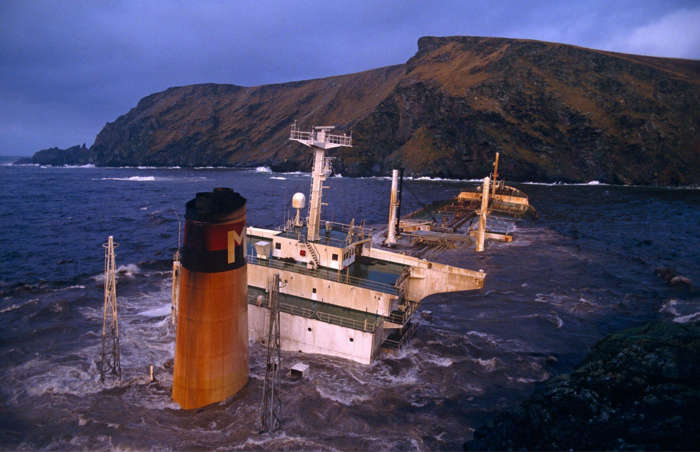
{"points": [[211, 350]]}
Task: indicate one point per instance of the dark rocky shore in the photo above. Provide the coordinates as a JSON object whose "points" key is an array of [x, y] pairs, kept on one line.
{"points": [[637, 389]]}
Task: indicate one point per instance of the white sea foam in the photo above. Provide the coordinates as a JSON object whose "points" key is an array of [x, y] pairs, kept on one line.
{"points": [[551, 318], [435, 179], [297, 173], [263, 169], [439, 361], [670, 307], [129, 270], [76, 286], [132, 178], [13, 307], [87, 165], [161, 311], [345, 397], [527, 380], [687, 318], [560, 322], [567, 184], [479, 334], [278, 178], [488, 364], [279, 440]]}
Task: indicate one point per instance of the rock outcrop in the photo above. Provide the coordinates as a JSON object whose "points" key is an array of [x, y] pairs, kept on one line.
{"points": [[638, 389], [74, 155], [555, 112]]}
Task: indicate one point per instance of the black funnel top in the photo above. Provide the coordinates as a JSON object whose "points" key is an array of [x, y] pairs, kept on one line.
{"points": [[214, 206]]}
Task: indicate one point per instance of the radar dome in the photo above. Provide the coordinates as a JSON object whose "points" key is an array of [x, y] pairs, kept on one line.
{"points": [[298, 201]]}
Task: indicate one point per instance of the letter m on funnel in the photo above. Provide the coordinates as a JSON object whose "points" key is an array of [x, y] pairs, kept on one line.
{"points": [[234, 239]]}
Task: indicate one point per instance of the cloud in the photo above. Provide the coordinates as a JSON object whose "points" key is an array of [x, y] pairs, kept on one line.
{"points": [[674, 35]]}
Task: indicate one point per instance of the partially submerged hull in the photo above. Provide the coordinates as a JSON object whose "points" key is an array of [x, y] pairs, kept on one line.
{"points": [[505, 200], [350, 311]]}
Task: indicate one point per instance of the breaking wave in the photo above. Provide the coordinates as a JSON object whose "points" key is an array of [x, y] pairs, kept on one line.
{"points": [[132, 178]]}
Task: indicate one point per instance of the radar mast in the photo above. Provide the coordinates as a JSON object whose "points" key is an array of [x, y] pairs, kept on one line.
{"points": [[319, 139]]}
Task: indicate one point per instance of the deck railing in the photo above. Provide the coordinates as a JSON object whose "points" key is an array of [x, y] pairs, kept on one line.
{"points": [[368, 324], [299, 135], [321, 135], [406, 334], [329, 275], [343, 140]]}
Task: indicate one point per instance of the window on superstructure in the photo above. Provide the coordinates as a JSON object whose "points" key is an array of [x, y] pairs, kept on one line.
{"points": [[334, 257]]}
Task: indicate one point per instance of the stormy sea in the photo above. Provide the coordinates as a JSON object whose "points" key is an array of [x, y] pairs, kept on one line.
{"points": [[584, 268]]}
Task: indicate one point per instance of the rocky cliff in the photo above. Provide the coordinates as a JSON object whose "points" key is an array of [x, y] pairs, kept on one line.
{"points": [[555, 113], [74, 155]]}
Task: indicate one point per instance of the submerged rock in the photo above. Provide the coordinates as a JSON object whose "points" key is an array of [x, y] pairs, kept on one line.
{"points": [[674, 279], [637, 389]]}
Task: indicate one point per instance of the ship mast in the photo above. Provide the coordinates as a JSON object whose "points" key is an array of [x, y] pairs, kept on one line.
{"points": [[319, 139]]}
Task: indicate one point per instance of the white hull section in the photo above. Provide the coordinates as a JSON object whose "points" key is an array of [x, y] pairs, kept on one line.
{"points": [[306, 335]]}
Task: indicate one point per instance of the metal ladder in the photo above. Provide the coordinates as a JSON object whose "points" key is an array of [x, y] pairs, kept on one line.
{"points": [[314, 254]]}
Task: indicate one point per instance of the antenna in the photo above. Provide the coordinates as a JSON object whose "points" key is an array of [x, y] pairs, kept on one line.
{"points": [[110, 362], [319, 139]]}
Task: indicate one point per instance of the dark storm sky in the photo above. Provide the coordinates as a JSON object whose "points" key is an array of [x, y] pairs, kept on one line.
{"points": [[68, 67]]}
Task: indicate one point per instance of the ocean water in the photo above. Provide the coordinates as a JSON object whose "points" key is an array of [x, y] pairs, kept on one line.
{"points": [[583, 269]]}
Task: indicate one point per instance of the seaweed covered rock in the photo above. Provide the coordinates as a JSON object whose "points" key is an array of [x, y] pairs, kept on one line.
{"points": [[637, 389]]}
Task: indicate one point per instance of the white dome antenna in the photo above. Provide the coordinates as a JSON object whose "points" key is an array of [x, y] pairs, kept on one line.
{"points": [[298, 202]]}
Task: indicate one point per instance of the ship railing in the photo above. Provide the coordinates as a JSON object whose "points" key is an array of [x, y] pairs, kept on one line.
{"points": [[343, 140], [329, 275], [322, 136], [358, 229], [367, 324], [406, 334], [401, 316], [299, 135], [397, 317]]}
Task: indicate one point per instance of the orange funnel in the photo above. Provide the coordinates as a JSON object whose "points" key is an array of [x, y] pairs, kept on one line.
{"points": [[211, 347]]}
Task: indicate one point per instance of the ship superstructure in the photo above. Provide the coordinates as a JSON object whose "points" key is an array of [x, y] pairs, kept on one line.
{"points": [[339, 294]]}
